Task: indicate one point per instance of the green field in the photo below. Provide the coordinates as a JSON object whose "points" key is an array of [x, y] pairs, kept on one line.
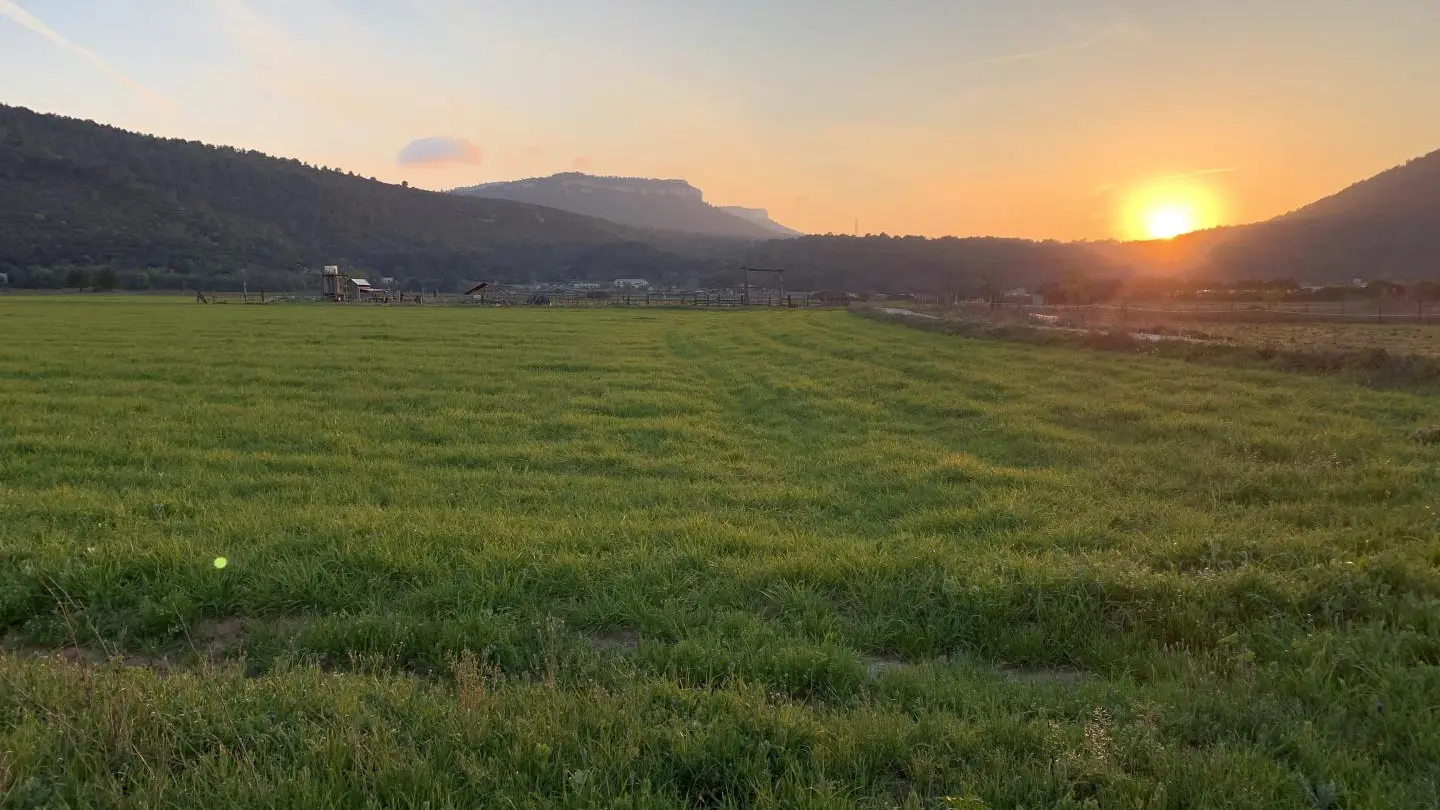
{"points": [[534, 558]]}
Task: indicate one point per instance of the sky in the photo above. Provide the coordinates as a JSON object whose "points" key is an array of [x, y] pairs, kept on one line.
{"points": [[1079, 119]]}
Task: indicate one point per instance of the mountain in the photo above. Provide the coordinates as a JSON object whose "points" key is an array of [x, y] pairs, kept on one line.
{"points": [[1409, 194], [1386, 227], [79, 197], [661, 205], [760, 217], [166, 213]]}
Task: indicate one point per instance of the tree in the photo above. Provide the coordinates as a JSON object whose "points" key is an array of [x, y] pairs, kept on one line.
{"points": [[107, 279], [77, 278]]}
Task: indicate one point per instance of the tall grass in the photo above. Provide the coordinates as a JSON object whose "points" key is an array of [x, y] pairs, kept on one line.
{"points": [[599, 558]]}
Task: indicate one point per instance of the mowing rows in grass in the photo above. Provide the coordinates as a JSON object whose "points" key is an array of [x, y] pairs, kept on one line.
{"points": [[768, 507]]}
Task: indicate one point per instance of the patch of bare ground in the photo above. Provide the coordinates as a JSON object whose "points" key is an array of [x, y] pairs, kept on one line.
{"points": [[85, 655], [209, 642], [621, 641], [218, 637], [877, 666], [1065, 677]]}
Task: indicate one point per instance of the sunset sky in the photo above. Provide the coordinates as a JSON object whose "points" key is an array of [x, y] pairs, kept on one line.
{"points": [[1023, 118]]}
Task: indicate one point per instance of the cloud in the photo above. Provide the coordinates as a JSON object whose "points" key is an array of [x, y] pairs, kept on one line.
{"points": [[35, 24], [1087, 39], [438, 150], [1200, 173], [1028, 55]]}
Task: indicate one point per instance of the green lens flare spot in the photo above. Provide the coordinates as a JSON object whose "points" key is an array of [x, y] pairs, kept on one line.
{"points": [[221, 562]]}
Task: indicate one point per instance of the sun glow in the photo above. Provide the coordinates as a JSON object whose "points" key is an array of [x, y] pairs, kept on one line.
{"points": [[1170, 209], [1169, 222]]}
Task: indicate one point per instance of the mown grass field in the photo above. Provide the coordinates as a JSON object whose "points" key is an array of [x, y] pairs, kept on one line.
{"points": [[536, 558]]}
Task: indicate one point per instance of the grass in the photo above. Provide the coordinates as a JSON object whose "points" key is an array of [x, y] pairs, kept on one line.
{"points": [[1372, 354], [1416, 340], [651, 559]]}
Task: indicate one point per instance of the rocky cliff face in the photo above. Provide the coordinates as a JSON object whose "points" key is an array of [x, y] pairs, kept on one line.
{"points": [[761, 217], [666, 205]]}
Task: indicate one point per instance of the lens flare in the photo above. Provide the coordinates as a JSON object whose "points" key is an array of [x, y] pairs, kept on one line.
{"points": [[221, 562]]}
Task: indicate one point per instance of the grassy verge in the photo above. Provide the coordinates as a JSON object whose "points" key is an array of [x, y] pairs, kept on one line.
{"points": [[1373, 365], [600, 558]]}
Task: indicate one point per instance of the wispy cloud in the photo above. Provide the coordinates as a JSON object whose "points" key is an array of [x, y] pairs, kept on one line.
{"points": [[1199, 173], [1082, 38], [1028, 55], [38, 26], [1086, 39]]}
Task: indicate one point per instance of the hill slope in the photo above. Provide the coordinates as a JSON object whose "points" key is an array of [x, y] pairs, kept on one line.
{"points": [[664, 205], [1407, 193], [168, 212], [1386, 227], [760, 217]]}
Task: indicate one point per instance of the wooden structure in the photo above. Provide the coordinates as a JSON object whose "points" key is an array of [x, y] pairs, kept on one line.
{"points": [[779, 276]]}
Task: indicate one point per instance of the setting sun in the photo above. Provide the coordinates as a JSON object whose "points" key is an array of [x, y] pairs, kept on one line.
{"points": [[1170, 222], [1169, 209]]}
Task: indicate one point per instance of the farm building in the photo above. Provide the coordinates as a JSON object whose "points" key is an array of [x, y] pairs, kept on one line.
{"points": [[362, 290], [631, 284]]}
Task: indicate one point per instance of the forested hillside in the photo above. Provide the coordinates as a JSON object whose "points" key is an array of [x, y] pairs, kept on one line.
{"points": [[78, 196], [83, 200], [1386, 227]]}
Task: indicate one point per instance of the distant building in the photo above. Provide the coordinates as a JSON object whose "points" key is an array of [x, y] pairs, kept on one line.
{"points": [[362, 290], [631, 284], [335, 286]]}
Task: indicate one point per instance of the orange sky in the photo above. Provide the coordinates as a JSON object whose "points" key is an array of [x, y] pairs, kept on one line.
{"points": [[1033, 118]]}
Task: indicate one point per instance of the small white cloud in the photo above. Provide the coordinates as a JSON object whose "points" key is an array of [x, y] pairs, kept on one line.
{"points": [[438, 150]]}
